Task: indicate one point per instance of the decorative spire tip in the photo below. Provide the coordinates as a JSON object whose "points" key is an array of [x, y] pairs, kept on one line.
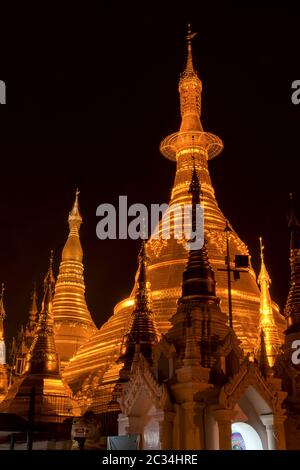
{"points": [[190, 35], [261, 248]]}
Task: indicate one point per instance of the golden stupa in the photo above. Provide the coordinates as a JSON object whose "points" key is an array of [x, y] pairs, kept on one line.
{"points": [[41, 386], [72, 320], [92, 372]]}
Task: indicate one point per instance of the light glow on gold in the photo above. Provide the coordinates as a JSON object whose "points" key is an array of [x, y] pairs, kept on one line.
{"points": [[93, 369], [266, 321]]}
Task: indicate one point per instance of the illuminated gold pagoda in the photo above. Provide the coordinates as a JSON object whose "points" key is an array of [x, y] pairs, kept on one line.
{"points": [[3, 367], [20, 346], [73, 322], [267, 324], [42, 381], [90, 368]]}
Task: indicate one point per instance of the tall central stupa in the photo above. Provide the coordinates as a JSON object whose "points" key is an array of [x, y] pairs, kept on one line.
{"points": [[92, 369]]}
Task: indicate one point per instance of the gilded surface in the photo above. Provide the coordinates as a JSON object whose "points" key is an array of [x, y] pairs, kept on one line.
{"points": [[73, 322], [167, 258]]}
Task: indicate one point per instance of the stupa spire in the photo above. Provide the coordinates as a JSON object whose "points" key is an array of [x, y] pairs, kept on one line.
{"points": [[33, 311], [73, 322], [75, 219], [189, 68], [292, 308], [263, 275], [293, 222], [43, 358], [198, 277], [190, 136], [267, 323], [263, 361], [143, 331], [2, 312], [198, 316], [72, 249], [49, 277], [190, 88]]}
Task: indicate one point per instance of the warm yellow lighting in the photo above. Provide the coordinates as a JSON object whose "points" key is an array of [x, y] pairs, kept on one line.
{"points": [[267, 322], [73, 322], [94, 366]]}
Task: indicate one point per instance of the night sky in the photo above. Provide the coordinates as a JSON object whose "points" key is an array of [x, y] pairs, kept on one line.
{"points": [[91, 92]]}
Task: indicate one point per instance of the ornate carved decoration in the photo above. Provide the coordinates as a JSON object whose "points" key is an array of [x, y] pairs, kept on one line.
{"points": [[249, 374], [143, 381]]}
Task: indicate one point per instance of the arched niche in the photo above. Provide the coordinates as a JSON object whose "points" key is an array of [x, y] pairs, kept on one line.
{"points": [[245, 437]]}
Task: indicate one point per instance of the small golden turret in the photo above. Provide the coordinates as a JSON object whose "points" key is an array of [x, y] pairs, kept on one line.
{"points": [[143, 330], [43, 357], [266, 321]]}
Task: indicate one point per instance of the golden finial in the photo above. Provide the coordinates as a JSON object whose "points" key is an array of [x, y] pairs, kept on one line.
{"points": [[75, 208], [261, 248], [33, 312], [51, 258], [77, 192], [189, 69], [72, 249], [49, 278], [292, 219], [2, 310], [75, 219], [263, 275], [190, 35]]}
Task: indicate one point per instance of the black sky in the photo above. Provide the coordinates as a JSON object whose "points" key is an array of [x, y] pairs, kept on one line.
{"points": [[92, 90]]}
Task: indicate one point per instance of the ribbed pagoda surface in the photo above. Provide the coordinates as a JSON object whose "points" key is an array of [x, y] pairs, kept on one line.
{"points": [[73, 322], [92, 368], [42, 386]]}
